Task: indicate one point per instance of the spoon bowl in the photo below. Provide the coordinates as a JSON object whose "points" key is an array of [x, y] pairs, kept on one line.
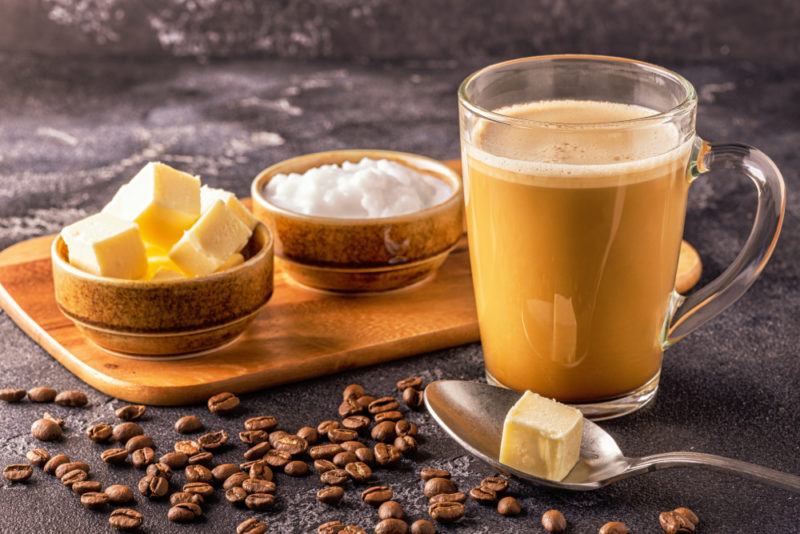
{"points": [[473, 414]]}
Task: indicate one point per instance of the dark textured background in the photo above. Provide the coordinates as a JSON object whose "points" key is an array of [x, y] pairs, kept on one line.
{"points": [[73, 129]]}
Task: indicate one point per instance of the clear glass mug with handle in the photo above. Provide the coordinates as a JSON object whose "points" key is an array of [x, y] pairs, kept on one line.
{"points": [[576, 175]]}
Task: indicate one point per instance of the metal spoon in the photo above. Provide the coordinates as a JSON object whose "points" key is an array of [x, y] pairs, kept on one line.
{"points": [[473, 415]]}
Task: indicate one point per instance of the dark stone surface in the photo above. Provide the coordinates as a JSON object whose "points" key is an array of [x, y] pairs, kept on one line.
{"points": [[72, 131]]}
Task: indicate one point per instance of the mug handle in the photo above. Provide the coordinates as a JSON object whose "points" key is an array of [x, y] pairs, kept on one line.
{"points": [[715, 297]]}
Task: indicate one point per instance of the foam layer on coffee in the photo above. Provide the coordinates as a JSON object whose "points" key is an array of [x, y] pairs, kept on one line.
{"points": [[590, 151]]}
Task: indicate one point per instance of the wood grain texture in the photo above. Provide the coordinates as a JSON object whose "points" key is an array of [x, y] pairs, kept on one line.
{"points": [[300, 334]]}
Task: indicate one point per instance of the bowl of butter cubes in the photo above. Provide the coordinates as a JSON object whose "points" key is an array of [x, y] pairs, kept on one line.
{"points": [[168, 267]]}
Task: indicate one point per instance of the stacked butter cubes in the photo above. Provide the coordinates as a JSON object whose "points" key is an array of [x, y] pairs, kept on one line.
{"points": [[161, 225]]}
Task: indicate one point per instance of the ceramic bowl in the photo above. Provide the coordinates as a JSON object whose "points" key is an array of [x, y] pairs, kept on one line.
{"points": [[166, 317], [362, 255]]}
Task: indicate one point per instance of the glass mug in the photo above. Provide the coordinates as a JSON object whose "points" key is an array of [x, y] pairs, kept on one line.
{"points": [[576, 174]]}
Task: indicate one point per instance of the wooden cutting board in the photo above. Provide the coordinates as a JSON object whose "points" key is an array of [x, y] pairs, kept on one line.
{"points": [[300, 334]]}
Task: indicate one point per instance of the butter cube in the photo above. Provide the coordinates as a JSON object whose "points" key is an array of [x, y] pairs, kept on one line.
{"points": [[163, 201], [160, 267], [166, 274], [209, 195], [233, 261], [214, 238], [106, 246], [541, 437]]}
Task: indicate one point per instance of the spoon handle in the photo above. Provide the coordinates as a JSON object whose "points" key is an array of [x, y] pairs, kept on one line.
{"points": [[718, 463]]}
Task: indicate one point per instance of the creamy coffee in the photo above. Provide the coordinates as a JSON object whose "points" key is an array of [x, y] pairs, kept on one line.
{"points": [[575, 256]]}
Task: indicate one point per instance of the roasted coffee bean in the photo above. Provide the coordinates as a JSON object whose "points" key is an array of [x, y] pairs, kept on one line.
{"points": [[119, 494], [391, 415], [125, 519], [386, 455], [181, 496], [99, 433], [413, 398], [237, 479], [139, 442], [256, 452], [52, 464], [422, 526], [350, 407], [358, 471], [376, 495], [448, 511], [174, 460], [251, 526], [309, 434], [213, 440], [159, 469], [46, 430], [235, 495], [259, 501], [326, 426], [12, 394], [405, 444], [249, 437], [509, 506], [365, 455], [383, 431], [352, 445], [364, 400], [482, 494], [410, 382], [383, 404], [94, 500], [86, 486], [391, 509], [17, 472], [200, 458], [340, 435], [675, 523], [71, 477], [114, 456], [57, 420], [275, 435], [320, 466], [223, 403], [334, 477], [296, 468], [261, 470], [405, 428], [352, 529], [448, 497], [131, 412], [199, 488], [223, 471], [262, 422], [355, 422], [72, 398], [353, 391], [614, 527], [184, 512], [42, 394], [141, 458], [255, 485], [154, 487], [198, 473], [326, 452], [125, 431], [495, 483], [331, 527], [37, 457], [688, 514], [554, 521], [187, 447], [65, 468], [435, 486], [330, 494], [277, 459], [188, 424], [292, 444], [391, 526], [344, 458]]}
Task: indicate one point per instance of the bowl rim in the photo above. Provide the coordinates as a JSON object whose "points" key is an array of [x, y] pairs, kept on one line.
{"points": [[125, 282], [261, 179]]}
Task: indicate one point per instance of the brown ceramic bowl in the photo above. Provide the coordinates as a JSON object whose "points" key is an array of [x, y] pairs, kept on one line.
{"points": [[362, 255], [166, 317]]}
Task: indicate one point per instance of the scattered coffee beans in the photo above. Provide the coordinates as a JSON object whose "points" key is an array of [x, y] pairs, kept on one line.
{"points": [[414, 382], [260, 470], [86, 486], [359, 471], [100, 433], [391, 509], [340, 435], [383, 431], [509, 506], [251, 437], [553, 521], [17, 472], [405, 444], [422, 526], [139, 442], [326, 426], [125, 431], [675, 523], [50, 417], [199, 488], [448, 497], [413, 398], [376, 495], [188, 424], [264, 422], [355, 422], [42, 394], [131, 412], [141, 458], [71, 477], [181, 496], [198, 473], [365, 455], [174, 460], [386, 455], [427, 473], [350, 407], [114, 456], [159, 469], [184, 512], [435, 486], [383, 404], [201, 458], [391, 415], [259, 501], [154, 487], [391, 526], [331, 527], [309, 434], [235, 495], [66, 467], [352, 529], [254, 485], [52, 464], [223, 403], [482, 494], [12, 394], [251, 526], [614, 527], [37, 457], [94, 500], [330, 494], [119, 494], [187, 447], [405, 428], [688, 514], [353, 391], [213, 440], [72, 398], [344, 458], [496, 484], [447, 511], [237, 480], [46, 430], [125, 519], [296, 468], [334, 477]]}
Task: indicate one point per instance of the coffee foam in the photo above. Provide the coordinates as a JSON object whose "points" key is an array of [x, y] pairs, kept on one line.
{"points": [[576, 157]]}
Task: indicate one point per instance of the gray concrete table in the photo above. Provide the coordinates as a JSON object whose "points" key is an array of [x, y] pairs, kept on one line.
{"points": [[72, 131]]}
